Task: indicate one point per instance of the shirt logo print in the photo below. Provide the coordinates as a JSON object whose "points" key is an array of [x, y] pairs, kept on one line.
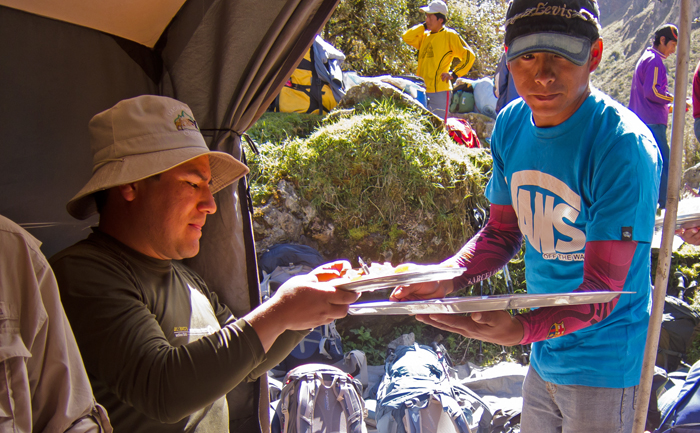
{"points": [[548, 228]]}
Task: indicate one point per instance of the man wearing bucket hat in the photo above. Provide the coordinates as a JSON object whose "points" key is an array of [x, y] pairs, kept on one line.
{"points": [[575, 175], [437, 47], [161, 351], [650, 98]]}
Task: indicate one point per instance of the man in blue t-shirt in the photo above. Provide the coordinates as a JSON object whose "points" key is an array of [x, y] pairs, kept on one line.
{"points": [[576, 175]]}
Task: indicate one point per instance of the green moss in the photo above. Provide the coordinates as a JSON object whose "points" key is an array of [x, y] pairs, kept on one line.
{"points": [[382, 166], [358, 233], [277, 127]]}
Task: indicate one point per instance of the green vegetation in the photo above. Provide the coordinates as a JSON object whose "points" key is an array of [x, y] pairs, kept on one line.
{"points": [[383, 175], [369, 33], [278, 127]]}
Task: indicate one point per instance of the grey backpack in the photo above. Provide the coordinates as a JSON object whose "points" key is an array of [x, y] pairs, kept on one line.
{"points": [[319, 398]]}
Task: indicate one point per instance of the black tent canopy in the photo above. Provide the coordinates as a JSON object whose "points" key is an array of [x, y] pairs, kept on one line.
{"points": [[63, 62]]}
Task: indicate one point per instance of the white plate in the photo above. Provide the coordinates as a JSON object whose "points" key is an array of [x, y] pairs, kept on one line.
{"points": [[424, 274], [481, 303]]}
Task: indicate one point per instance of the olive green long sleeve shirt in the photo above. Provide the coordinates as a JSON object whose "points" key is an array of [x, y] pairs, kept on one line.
{"points": [[160, 350]]}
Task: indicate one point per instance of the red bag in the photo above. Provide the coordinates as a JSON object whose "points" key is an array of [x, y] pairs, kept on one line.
{"points": [[461, 132]]}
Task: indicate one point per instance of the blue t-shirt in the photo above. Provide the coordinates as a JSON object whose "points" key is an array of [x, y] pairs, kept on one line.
{"points": [[594, 177]]}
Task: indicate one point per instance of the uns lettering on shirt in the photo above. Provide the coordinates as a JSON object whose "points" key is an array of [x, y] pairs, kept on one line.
{"points": [[548, 228]]}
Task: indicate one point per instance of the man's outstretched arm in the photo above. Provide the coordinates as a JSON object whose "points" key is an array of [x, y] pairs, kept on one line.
{"points": [[605, 268], [606, 264], [484, 255]]}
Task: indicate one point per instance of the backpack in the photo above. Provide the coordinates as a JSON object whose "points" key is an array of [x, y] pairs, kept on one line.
{"points": [[677, 330], [322, 345], [462, 101], [318, 398], [417, 395], [461, 132], [315, 85], [683, 415], [283, 261], [280, 263]]}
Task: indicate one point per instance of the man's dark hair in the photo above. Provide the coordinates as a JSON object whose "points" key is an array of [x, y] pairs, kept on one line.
{"points": [[100, 199], [441, 17], [669, 31], [102, 195]]}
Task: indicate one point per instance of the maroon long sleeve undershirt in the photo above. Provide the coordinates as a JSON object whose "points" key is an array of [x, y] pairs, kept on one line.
{"points": [[605, 268]]}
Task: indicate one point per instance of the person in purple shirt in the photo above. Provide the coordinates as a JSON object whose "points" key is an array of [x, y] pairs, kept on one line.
{"points": [[650, 98]]}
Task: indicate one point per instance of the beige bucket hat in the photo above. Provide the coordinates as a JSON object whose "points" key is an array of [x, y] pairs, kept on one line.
{"points": [[144, 136]]}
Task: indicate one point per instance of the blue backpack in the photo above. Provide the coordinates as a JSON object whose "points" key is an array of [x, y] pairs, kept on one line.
{"points": [[417, 394], [280, 263], [288, 254], [683, 414]]}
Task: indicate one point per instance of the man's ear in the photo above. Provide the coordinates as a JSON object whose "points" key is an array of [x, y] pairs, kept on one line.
{"points": [[128, 191], [596, 54]]}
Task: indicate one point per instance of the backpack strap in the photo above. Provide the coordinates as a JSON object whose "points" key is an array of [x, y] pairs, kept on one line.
{"points": [[308, 390], [283, 409], [329, 334], [265, 287], [346, 394], [316, 91], [451, 407], [413, 409]]}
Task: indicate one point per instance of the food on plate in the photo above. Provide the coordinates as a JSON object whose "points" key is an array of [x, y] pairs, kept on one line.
{"points": [[341, 271]]}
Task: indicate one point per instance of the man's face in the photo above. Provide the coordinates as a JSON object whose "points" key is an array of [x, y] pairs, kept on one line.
{"points": [[552, 86], [173, 209], [432, 22], [667, 47]]}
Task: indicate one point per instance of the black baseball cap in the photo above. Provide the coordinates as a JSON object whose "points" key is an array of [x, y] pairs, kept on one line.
{"points": [[563, 27]]}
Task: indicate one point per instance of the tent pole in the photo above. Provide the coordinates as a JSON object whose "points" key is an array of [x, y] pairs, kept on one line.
{"points": [[674, 178]]}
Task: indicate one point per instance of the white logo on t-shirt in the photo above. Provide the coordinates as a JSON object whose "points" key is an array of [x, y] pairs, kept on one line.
{"points": [[540, 218]]}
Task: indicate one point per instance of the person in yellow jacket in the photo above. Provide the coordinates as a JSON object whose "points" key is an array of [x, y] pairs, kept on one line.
{"points": [[437, 46]]}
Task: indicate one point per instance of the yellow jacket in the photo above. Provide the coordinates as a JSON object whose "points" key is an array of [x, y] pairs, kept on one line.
{"points": [[435, 54]]}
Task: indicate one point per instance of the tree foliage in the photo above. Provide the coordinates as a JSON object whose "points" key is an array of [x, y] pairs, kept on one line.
{"points": [[369, 33]]}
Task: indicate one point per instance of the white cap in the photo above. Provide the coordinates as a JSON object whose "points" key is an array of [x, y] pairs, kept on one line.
{"points": [[435, 7]]}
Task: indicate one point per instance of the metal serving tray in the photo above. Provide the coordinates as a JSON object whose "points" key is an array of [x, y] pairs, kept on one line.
{"points": [[688, 214], [475, 304], [424, 274]]}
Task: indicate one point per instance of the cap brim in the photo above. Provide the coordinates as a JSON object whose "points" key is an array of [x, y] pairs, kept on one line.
{"points": [[576, 49], [225, 169]]}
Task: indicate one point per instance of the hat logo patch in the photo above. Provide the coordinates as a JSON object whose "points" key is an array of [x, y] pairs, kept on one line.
{"points": [[185, 122], [562, 11]]}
